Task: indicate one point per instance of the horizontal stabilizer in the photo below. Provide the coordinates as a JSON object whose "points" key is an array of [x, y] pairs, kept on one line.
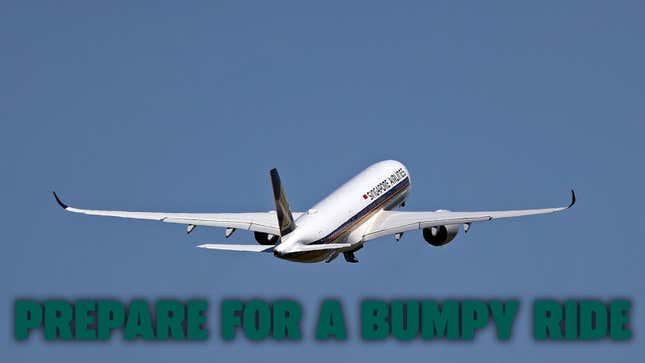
{"points": [[240, 248]]}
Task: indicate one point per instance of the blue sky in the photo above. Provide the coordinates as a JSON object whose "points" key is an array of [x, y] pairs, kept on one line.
{"points": [[185, 107]]}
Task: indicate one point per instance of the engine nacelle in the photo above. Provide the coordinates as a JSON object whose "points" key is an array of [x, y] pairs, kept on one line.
{"points": [[265, 238], [440, 235]]}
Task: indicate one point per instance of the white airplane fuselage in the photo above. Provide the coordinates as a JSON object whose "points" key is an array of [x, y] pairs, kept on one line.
{"points": [[344, 215]]}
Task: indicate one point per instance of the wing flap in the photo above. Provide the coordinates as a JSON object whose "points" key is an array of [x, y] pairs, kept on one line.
{"points": [[394, 223], [246, 224]]}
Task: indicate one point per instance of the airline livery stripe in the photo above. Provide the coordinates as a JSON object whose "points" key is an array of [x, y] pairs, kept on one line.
{"points": [[366, 212]]}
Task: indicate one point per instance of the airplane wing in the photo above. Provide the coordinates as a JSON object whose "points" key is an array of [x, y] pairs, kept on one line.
{"points": [[266, 222], [392, 222]]}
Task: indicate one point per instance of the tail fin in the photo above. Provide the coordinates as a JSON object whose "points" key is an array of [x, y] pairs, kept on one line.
{"points": [[285, 219]]}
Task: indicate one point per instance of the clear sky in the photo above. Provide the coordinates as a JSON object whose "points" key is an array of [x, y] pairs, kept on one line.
{"points": [[186, 106]]}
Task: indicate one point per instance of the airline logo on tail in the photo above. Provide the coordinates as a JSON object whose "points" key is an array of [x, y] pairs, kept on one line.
{"points": [[285, 218]]}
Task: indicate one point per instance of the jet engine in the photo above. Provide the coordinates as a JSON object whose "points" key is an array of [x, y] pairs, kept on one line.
{"points": [[265, 238], [440, 235]]}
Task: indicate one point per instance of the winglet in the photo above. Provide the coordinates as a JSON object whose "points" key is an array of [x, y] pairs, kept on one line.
{"points": [[573, 199], [62, 205]]}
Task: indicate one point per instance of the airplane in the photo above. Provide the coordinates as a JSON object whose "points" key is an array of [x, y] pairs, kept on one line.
{"points": [[358, 211]]}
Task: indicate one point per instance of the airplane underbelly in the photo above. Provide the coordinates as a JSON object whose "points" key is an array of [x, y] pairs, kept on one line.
{"points": [[307, 257]]}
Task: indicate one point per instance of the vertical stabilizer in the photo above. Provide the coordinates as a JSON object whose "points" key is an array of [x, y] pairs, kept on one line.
{"points": [[285, 219]]}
